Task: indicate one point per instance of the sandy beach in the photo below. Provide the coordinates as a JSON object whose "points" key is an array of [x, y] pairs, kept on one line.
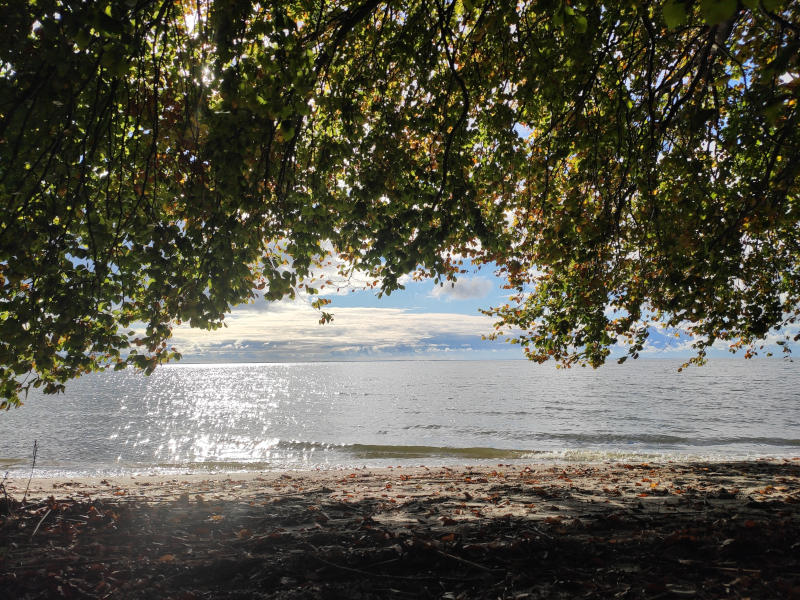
{"points": [[691, 530]]}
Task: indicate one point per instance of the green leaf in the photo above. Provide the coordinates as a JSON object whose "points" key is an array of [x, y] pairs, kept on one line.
{"points": [[715, 12], [674, 13], [82, 39], [171, 194], [773, 111]]}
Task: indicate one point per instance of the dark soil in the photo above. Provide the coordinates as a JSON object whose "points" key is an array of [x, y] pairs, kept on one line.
{"points": [[705, 541]]}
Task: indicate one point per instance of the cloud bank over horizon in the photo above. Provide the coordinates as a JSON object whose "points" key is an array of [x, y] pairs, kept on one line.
{"points": [[290, 331]]}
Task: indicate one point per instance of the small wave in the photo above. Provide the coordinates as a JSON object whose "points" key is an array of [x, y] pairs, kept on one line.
{"points": [[386, 451], [375, 451], [343, 453], [661, 439], [752, 441], [603, 456]]}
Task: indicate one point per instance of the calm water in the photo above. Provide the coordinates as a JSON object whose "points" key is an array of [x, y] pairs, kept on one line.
{"points": [[276, 416]]}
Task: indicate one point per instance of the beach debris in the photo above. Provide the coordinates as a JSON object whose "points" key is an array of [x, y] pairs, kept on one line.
{"points": [[578, 531]]}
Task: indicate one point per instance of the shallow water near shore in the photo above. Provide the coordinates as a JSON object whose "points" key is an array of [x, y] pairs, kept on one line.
{"points": [[232, 417]]}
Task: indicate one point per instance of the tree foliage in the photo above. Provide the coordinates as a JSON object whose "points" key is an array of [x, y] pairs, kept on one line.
{"points": [[620, 163]]}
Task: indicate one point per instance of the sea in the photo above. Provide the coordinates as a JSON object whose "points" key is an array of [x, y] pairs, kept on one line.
{"points": [[287, 416]]}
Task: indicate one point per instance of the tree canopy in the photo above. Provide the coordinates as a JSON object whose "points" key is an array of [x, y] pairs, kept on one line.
{"points": [[620, 163]]}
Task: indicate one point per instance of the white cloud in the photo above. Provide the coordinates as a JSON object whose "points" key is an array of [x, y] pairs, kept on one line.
{"points": [[464, 289], [405, 279], [289, 330]]}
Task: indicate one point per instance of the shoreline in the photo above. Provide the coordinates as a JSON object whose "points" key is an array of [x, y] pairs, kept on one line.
{"points": [[240, 485], [21, 468], [509, 530]]}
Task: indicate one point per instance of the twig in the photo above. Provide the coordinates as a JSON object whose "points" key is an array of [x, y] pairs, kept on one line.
{"points": [[386, 575], [384, 562], [540, 532], [737, 569], [49, 510], [361, 572], [469, 562], [400, 592], [33, 466], [5, 493]]}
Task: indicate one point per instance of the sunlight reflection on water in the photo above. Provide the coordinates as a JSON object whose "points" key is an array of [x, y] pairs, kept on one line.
{"points": [[338, 414]]}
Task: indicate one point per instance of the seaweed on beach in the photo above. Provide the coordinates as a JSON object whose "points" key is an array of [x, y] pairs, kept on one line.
{"points": [[626, 531]]}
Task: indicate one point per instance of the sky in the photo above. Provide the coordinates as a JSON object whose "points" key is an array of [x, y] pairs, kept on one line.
{"points": [[423, 321]]}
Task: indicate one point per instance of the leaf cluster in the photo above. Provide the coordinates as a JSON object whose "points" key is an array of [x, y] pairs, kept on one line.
{"points": [[620, 163]]}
